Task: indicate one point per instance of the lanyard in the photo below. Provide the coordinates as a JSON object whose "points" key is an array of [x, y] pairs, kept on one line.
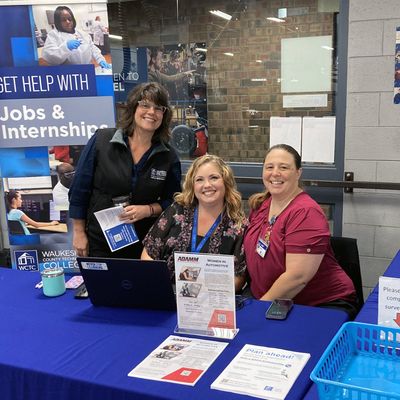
{"points": [[208, 234], [269, 229]]}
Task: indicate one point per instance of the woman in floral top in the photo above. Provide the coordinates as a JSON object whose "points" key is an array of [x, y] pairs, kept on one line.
{"points": [[210, 208]]}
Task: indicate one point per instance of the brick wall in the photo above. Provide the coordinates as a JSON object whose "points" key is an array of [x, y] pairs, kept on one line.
{"points": [[239, 108]]}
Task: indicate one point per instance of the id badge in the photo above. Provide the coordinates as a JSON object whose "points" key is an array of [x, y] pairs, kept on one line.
{"points": [[262, 247]]}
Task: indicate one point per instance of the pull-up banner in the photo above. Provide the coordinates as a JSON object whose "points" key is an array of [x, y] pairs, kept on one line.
{"points": [[56, 90]]}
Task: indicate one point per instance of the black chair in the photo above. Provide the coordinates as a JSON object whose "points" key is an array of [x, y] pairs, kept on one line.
{"points": [[346, 254], [16, 228]]}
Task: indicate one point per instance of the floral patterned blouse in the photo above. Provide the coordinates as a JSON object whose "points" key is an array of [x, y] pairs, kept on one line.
{"points": [[173, 232]]}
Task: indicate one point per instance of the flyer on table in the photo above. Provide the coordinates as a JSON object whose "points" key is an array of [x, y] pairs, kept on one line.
{"points": [[205, 292], [179, 360], [262, 372], [117, 233]]}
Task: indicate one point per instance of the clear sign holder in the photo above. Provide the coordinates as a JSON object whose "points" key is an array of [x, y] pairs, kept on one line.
{"points": [[205, 292]]}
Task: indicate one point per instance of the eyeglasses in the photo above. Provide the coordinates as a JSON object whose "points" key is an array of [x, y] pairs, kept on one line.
{"points": [[69, 19], [146, 107], [69, 174]]}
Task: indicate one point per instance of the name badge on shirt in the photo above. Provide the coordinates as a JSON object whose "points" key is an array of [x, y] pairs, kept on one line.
{"points": [[262, 247]]}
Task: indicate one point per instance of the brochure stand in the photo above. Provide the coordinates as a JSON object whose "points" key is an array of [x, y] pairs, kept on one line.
{"points": [[205, 294]]}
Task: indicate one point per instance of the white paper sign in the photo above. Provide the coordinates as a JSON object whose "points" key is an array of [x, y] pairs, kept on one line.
{"points": [[262, 372], [205, 293], [318, 139], [305, 100], [287, 131], [179, 360], [389, 302]]}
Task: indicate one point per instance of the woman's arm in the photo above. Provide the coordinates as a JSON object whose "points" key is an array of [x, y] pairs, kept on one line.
{"points": [[136, 213], [155, 240], [30, 221], [239, 282], [145, 256], [300, 269], [55, 50], [80, 241]]}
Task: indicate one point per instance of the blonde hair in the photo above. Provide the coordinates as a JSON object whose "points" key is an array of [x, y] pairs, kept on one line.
{"points": [[233, 199]]}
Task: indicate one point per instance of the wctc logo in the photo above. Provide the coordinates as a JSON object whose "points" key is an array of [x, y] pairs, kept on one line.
{"points": [[27, 260]]}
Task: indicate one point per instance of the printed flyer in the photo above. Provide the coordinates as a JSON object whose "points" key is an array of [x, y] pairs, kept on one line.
{"points": [[262, 372], [117, 233], [179, 360], [205, 294]]}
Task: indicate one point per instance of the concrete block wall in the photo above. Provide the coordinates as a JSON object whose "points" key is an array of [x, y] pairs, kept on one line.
{"points": [[372, 135]]}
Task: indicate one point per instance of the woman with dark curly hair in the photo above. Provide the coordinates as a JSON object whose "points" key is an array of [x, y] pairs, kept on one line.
{"points": [[205, 218], [132, 159]]}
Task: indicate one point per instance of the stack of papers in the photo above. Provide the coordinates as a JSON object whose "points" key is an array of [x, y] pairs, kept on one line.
{"points": [[262, 372]]}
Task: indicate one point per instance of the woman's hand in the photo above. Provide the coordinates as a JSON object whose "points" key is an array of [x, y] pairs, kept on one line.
{"points": [[52, 223], [73, 44], [80, 241], [81, 244], [134, 214]]}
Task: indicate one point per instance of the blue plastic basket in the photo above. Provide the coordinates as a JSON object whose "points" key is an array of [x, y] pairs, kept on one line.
{"points": [[362, 362]]}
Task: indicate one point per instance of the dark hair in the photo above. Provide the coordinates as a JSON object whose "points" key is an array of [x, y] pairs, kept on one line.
{"points": [[289, 149], [154, 50], [257, 199], [64, 167], [10, 195], [147, 91], [173, 55], [57, 17]]}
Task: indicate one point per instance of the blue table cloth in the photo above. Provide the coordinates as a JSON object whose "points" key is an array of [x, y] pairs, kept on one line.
{"points": [[63, 348]]}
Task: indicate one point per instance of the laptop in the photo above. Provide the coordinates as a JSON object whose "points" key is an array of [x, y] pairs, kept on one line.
{"points": [[126, 283]]}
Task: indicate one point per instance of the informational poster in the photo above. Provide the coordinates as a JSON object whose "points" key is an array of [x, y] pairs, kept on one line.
{"points": [[389, 302], [179, 360], [396, 98], [262, 372], [56, 90], [205, 294]]}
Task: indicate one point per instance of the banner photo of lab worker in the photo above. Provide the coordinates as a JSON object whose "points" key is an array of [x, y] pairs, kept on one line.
{"points": [[49, 109], [72, 34]]}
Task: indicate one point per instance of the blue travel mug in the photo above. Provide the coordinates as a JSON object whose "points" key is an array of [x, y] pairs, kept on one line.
{"points": [[53, 282]]}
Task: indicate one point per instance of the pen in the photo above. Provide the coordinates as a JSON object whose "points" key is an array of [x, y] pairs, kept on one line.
{"points": [[39, 285]]}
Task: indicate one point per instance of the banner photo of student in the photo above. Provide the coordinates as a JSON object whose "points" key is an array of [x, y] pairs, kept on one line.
{"points": [[56, 90]]}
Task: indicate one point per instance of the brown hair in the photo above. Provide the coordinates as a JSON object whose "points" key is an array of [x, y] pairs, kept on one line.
{"points": [[10, 196], [158, 95]]}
